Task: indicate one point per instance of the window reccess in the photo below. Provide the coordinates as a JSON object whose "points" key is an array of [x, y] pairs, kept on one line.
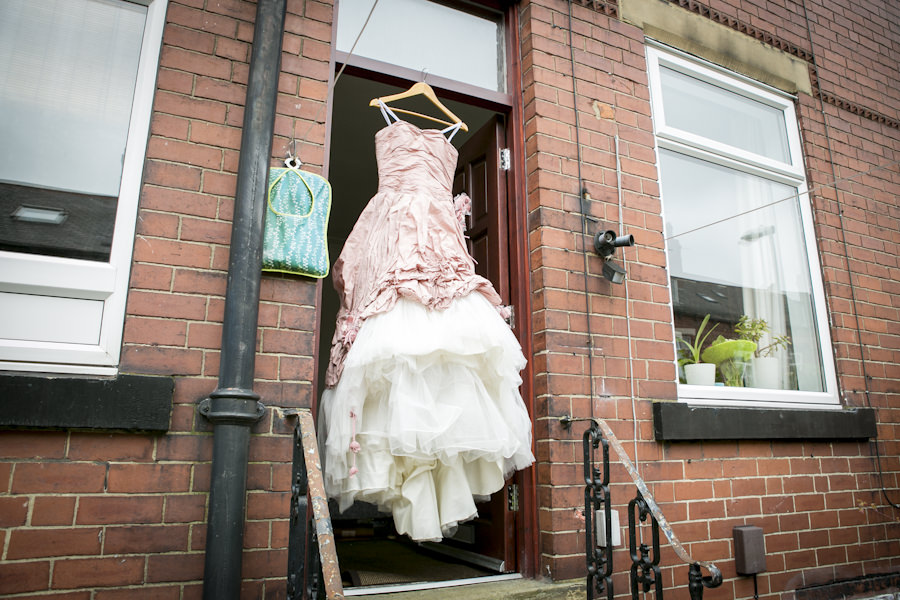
{"points": [[77, 79], [741, 253]]}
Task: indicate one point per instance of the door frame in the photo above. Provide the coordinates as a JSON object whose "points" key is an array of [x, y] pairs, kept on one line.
{"points": [[527, 532], [510, 104]]}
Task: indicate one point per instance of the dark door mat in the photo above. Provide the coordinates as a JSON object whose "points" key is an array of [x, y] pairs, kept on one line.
{"points": [[385, 562]]}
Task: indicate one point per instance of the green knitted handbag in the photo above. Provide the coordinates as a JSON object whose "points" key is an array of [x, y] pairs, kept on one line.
{"points": [[297, 223]]}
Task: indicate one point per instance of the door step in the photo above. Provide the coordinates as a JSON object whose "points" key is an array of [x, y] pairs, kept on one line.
{"points": [[491, 589]]}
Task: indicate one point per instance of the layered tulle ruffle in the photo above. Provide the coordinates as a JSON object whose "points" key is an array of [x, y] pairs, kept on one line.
{"points": [[431, 284], [429, 399]]}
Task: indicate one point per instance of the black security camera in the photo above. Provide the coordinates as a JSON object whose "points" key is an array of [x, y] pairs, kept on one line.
{"points": [[613, 271], [606, 242]]}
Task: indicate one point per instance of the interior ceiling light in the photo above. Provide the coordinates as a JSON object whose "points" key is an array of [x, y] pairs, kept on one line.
{"points": [[37, 214]]}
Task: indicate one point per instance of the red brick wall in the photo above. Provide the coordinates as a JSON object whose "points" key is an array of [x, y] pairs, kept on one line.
{"points": [[819, 504], [109, 515], [125, 514], [855, 44]]}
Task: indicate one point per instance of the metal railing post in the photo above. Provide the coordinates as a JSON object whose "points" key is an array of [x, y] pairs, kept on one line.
{"points": [[596, 498], [645, 571], [313, 569]]}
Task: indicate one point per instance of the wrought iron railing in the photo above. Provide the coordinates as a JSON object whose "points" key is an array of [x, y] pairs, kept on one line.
{"points": [[313, 570], [645, 573]]}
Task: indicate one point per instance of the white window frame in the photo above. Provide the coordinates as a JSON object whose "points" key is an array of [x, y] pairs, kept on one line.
{"points": [[419, 48], [791, 173], [66, 279]]}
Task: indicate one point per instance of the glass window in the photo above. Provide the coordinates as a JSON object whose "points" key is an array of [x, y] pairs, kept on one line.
{"points": [[426, 37], [715, 113], [747, 294], [76, 86], [67, 77]]}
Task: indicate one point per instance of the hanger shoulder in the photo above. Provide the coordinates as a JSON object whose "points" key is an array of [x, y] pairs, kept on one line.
{"points": [[420, 88], [423, 89], [416, 114]]}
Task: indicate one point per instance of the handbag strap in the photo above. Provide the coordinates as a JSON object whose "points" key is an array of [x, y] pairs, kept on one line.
{"points": [[312, 196]]}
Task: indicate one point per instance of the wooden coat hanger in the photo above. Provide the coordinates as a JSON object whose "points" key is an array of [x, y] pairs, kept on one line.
{"points": [[422, 89]]}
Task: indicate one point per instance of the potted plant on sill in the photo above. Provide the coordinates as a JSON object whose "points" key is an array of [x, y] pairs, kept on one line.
{"points": [[731, 358], [695, 371], [766, 368]]}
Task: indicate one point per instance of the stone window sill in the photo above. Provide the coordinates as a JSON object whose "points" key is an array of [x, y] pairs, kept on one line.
{"points": [[678, 421], [126, 402]]}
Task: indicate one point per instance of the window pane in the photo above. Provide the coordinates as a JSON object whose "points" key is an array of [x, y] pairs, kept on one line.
{"points": [[736, 248], [67, 77], [715, 113], [425, 36]]}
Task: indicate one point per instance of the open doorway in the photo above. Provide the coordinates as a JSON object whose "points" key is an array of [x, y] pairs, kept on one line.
{"points": [[370, 551]]}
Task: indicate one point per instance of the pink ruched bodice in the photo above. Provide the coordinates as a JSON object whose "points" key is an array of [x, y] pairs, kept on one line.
{"points": [[407, 242]]}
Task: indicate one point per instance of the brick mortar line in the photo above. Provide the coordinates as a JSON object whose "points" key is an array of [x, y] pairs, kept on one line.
{"points": [[608, 7], [771, 40], [801, 53], [856, 109]]}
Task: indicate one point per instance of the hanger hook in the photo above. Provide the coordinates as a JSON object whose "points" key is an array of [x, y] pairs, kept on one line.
{"points": [[292, 161], [424, 74]]}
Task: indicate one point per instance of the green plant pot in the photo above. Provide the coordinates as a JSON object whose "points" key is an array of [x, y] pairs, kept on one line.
{"points": [[740, 350]]}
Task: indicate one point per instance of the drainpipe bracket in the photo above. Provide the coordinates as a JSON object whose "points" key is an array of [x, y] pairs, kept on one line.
{"points": [[233, 405]]}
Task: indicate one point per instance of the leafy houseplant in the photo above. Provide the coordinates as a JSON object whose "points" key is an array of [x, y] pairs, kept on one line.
{"points": [[754, 329], [766, 370], [696, 372], [730, 356]]}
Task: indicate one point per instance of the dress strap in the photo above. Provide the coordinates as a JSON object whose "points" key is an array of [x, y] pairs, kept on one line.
{"points": [[387, 113], [452, 129]]}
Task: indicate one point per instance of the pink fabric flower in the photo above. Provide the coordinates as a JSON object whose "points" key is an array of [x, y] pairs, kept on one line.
{"points": [[354, 445], [347, 331], [463, 205]]}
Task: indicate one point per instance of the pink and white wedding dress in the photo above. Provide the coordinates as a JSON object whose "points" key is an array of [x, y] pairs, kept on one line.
{"points": [[422, 413]]}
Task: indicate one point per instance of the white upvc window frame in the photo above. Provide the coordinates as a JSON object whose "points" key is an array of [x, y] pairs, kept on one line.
{"points": [[59, 281], [479, 57], [789, 172]]}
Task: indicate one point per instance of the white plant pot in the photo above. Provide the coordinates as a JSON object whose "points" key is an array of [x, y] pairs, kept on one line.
{"points": [[700, 374], [767, 373]]}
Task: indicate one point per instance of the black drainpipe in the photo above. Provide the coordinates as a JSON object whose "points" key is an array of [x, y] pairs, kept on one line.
{"points": [[234, 407]]}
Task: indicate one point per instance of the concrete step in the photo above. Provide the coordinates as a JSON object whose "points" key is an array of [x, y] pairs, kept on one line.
{"points": [[515, 589]]}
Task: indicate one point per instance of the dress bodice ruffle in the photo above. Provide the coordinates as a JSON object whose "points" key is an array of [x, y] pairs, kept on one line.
{"points": [[407, 242]]}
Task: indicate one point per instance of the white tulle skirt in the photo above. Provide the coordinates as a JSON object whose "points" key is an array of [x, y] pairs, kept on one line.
{"points": [[431, 398]]}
